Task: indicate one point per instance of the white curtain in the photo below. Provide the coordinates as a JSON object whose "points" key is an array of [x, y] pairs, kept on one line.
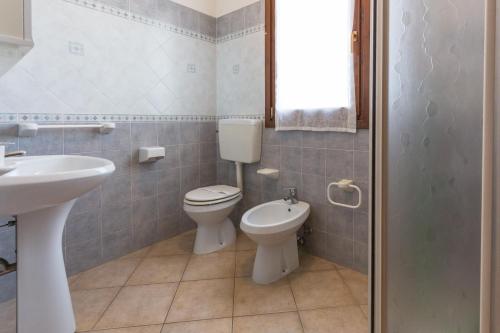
{"points": [[315, 87]]}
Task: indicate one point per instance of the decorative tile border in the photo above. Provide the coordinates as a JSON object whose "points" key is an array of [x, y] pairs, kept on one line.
{"points": [[79, 118], [125, 14], [241, 34]]}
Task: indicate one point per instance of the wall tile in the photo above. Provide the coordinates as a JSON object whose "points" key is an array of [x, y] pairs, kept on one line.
{"points": [[190, 179], [208, 152], [46, 142], [116, 217], [169, 180], [314, 188], [271, 137], [236, 21], [251, 180], [291, 159], [169, 226], [362, 140], [122, 4], [90, 201], [337, 140], [208, 25], [83, 256], [361, 227], [208, 131], [82, 141], [116, 189], [291, 138], [146, 8], [190, 19], [168, 11], [82, 227], [253, 15], [361, 166], [169, 204], [172, 158], [144, 185], [340, 222], [190, 155], [144, 210], [143, 135], [271, 156], [208, 174], [340, 250], [291, 179], [223, 26], [8, 287], [116, 244], [314, 139], [118, 139], [314, 161], [361, 253], [318, 217], [316, 243], [122, 161], [189, 132], [339, 164], [8, 133], [168, 133]]}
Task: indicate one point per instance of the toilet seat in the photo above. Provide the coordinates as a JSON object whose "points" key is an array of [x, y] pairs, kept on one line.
{"points": [[211, 195]]}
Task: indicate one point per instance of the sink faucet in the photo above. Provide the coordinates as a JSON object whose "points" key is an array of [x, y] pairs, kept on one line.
{"points": [[291, 198]]}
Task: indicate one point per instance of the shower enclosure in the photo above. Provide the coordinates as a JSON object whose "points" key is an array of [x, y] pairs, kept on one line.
{"points": [[434, 108]]}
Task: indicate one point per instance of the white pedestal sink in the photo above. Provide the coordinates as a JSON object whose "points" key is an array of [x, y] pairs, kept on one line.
{"points": [[41, 191]]}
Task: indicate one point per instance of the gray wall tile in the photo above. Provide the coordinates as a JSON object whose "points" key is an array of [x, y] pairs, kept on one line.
{"points": [[144, 185], [314, 161], [168, 11], [116, 217], [253, 15], [271, 156], [116, 244], [169, 180], [46, 142], [190, 155], [190, 19], [340, 250], [291, 138], [208, 131], [291, 159], [168, 133], [82, 141], [208, 174], [336, 140], [361, 166], [189, 132], [208, 25], [118, 139], [122, 4], [339, 164], [8, 133]]}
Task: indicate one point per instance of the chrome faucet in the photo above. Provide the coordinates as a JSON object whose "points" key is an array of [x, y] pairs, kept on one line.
{"points": [[291, 198]]}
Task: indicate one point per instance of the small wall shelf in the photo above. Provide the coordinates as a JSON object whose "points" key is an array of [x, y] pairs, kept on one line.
{"points": [[269, 173]]}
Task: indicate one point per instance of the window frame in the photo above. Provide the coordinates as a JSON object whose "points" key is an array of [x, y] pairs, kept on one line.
{"points": [[361, 49]]}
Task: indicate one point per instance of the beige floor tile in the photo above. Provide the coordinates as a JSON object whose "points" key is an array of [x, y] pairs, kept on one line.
{"points": [[244, 263], [365, 310], [320, 289], [210, 266], [310, 263], [357, 283], [138, 254], [8, 317], [224, 325], [112, 274], [139, 305], [339, 320], [89, 305], [205, 299], [271, 323], [251, 298], [182, 244], [72, 280], [140, 329], [159, 270], [243, 243]]}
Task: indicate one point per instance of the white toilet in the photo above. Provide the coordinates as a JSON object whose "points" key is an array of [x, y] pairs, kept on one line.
{"points": [[209, 207], [273, 226]]}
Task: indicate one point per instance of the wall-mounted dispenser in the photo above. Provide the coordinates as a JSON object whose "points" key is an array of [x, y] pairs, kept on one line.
{"points": [[151, 154]]}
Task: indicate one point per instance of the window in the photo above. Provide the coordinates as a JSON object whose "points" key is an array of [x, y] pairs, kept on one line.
{"points": [[325, 72]]}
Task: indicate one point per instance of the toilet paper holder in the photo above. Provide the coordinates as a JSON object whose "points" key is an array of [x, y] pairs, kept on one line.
{"points": [[346, 185]]}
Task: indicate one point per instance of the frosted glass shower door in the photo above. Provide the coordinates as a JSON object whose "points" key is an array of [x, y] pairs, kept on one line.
{"points": [[433, 176]]}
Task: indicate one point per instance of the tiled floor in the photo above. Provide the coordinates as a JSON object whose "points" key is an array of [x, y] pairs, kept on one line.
{"points": [[166, 289]]}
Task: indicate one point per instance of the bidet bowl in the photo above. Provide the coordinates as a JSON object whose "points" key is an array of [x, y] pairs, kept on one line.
{"points": [[273, 226]]}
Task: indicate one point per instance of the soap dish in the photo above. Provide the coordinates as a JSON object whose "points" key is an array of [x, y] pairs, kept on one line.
{"points": [[270, 173]]}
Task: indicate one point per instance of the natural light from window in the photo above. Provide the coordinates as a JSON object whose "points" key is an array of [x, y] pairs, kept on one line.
{"points": [[314, 69]]}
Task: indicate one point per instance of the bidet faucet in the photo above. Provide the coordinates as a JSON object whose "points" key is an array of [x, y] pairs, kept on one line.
{"points": [[291, 199]]}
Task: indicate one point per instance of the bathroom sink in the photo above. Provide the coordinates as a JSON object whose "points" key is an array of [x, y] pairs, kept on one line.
{"points": [[43, 181], [40, 192]]}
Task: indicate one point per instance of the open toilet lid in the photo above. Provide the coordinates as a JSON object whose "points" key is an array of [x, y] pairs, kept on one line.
{"points": [[212, 193]]}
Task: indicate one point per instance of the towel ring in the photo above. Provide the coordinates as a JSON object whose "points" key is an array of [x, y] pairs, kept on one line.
{"points": [[346, 185]]}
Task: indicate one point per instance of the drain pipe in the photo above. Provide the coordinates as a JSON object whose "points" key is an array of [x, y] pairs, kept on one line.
{"points": [[239, 175]]}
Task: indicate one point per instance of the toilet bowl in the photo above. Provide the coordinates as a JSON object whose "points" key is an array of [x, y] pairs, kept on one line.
{"points": [[209, 207], [273, 226]]}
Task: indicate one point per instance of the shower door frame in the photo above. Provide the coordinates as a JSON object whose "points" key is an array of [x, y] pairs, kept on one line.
{"points": [[379, 169]]}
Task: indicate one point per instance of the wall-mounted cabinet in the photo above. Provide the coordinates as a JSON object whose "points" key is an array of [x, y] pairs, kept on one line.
{"points": [[15, 32]]}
